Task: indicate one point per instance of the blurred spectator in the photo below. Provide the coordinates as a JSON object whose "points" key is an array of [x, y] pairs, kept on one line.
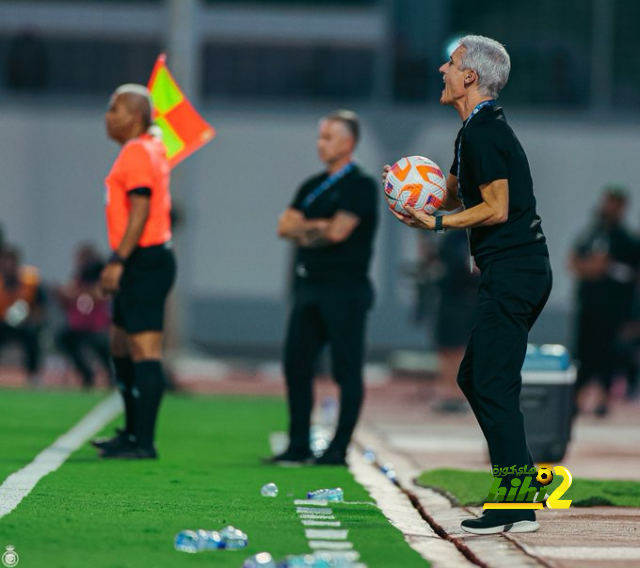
{"points": [[458, 287], [22, 309], [605, 261], [87, 316], [27, 64]]}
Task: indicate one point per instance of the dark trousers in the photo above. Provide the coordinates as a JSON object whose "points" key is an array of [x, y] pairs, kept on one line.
{"points": [[597, 336], [28, 337], [320, 315], [76, 344], [511, 295]]}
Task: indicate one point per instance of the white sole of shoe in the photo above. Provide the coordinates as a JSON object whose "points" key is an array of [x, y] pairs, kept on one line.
{"points": [[518, 527]]}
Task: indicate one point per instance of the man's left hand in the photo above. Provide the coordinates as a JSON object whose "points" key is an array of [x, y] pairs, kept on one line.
{"points": [[415, 219], [110, 278]]}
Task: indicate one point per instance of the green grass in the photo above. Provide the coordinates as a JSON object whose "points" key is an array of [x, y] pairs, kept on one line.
{"points": [[471, 488], [32, 420], [124, 514]]}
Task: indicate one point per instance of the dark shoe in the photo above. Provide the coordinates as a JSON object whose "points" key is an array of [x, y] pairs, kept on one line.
{"points": [[494, 521], [104, 443], [127, 450], [290, 458], [331, 458]]}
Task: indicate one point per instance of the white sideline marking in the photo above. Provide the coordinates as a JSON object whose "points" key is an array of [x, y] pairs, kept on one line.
{"points": [[309, 517], [312, 502], [326, 534], [329, 545], [312, 511], [313, 523], [19, 484]]}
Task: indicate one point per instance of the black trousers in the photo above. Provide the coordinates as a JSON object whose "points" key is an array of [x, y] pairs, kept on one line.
{"points": [[320, 315], [597, 335], [511, 295], [75, 344], [28, 337]]}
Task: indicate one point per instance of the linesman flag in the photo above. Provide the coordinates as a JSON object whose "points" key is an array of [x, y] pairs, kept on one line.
{"points": [[183, 130]]}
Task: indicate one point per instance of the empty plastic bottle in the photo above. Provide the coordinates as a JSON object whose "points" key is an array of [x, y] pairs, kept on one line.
{"points": [[369, 455], [389, 471], [269, 490], [198, 541], [233, 538], [326, 494], [260, 560], [337, 559], [301, 561], [329, 411]]}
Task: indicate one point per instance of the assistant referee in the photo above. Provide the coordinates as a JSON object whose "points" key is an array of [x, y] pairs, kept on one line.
{"points": [[141, 270], [491, 176]]}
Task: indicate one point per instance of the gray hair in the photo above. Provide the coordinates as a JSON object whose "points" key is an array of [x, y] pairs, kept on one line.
{"points": [[490, 60], [349, 120], [137, 98]]}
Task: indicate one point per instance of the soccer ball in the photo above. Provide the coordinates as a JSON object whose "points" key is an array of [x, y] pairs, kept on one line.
{"points": [[417, 182], [545, 476]]}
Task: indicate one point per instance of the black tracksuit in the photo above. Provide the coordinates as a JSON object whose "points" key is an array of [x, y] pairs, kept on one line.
{"points": [[514, 286], [332, 295]]}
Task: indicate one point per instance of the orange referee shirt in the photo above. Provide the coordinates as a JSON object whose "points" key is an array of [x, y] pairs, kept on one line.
{"points": [[142, 162]]}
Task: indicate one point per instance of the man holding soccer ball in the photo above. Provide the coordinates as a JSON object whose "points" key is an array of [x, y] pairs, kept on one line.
{"points": [[490, 176]]}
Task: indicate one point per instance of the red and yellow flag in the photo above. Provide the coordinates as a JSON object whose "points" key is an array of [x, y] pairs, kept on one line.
{"points": [[183, 130]]}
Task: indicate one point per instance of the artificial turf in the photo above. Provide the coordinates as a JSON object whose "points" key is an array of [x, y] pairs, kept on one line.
{"points": [[124, 514], [32, 420], [470, 488]]}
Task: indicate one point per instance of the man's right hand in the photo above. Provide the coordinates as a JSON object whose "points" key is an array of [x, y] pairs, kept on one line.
{"points": [[385, 172]]}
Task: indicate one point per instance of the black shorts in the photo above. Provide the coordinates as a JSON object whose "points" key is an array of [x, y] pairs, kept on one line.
{"points": [[148, 276]]}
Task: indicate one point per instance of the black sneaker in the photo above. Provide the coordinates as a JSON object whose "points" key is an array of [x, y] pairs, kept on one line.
{"points": [[290, 458], [104, 443], [331, 458], [494, 521], [127, 450]]}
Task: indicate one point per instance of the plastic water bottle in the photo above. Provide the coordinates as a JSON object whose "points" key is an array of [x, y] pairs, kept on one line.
{"points": [[301, 561], [335, 495], [233, 538], [198, 541], [269, 490], [389, 471], [260, 560], [369, 455], [329, 411], [336, 559], [319, 438]]}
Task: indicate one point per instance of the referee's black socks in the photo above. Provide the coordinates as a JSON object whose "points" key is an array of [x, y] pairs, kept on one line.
{"points": [[126, 377], [149, 387]]}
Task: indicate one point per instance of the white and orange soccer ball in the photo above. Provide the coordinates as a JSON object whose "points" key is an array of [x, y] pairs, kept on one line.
{"points": [[415, 181]]}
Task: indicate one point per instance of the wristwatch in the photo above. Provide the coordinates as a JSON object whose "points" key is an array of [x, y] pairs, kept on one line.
{"points": [[115, 258], [439, 226]]}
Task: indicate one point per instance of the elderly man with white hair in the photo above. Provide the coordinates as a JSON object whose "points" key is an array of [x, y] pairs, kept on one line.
{"points": [[490, 182]]}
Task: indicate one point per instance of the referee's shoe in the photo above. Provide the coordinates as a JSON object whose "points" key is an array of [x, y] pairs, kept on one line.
{"points": [[126, 449], [495, 521]]}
